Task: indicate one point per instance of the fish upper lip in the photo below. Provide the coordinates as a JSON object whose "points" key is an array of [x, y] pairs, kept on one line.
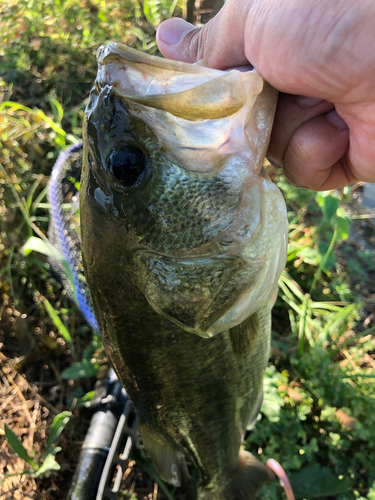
{"points": [[111, 51], [221, 93]]}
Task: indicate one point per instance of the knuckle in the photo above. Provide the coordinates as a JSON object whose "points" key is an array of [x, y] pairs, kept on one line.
{"points": [[193, 45]]}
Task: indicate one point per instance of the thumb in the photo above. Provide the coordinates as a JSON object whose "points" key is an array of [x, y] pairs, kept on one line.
{"points": [[220, 42]]}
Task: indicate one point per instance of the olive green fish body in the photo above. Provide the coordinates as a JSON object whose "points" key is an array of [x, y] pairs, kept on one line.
{"points": [[184, 238], [193, 395]]}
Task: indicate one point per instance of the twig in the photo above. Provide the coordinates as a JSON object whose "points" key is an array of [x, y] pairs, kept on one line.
{"points": [[155, 492], [32, 428]]}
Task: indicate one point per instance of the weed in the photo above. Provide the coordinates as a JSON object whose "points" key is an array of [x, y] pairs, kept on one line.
{"points": [[44, 465]]}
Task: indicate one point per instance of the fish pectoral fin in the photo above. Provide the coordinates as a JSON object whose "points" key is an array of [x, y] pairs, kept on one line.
{"points": [[183, 290], [169, 462]]}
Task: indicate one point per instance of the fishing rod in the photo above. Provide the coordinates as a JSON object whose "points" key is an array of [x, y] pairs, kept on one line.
{"points": [[108, 404]]}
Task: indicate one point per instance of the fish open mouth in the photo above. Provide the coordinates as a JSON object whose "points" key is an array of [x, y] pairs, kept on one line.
{"points": [[171, 85]]}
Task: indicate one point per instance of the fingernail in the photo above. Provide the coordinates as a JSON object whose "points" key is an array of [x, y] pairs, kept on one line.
{"points": [[336, 120], [307, 102], [173, 30]]}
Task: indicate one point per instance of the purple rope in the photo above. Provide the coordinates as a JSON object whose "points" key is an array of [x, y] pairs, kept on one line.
{"points": [[57, 222]]}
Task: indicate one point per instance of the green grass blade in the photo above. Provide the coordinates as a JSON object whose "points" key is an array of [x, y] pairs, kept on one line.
{"points": [[58, 424], [31, 192], [18, 447], [338, 319], [22, 205], [46, 248], [50, 122], [57, 109], [23, 473], [41, 246], [324, 260], [292, 285], [299, 311], [293, 323], [36, 112], [329, 306], [302, 324], [172, 8], [58, 324], [37, 202]]}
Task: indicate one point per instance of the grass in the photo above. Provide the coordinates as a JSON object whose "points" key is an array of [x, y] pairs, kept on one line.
{"points": [[320, 389], [318, 416]]}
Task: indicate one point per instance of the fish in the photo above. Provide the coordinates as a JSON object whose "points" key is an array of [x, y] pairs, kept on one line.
{"points": [[184, 237]]}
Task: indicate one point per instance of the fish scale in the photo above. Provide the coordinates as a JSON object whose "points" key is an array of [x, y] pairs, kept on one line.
{"points": [[173, 198]]}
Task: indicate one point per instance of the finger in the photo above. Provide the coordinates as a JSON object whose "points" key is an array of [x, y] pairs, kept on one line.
{"points": [[361, 155], [181, 41], [315, 156], [292, 112], [309, 140], [169, 35]]}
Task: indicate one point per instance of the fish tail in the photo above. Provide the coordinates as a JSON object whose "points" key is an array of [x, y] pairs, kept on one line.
{"points": [[244, 483]]}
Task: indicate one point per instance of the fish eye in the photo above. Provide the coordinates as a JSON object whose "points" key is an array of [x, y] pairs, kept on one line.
{"points": [[127, 165]]}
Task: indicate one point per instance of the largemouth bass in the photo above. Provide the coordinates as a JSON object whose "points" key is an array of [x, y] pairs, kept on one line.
{"points": [[184, 238]]}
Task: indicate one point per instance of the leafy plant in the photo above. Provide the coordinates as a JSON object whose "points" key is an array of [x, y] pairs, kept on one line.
{"points": [[46, 463]]}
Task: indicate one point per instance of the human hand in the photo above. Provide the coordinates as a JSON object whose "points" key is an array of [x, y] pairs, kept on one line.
{"points": [[321, 49]]}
